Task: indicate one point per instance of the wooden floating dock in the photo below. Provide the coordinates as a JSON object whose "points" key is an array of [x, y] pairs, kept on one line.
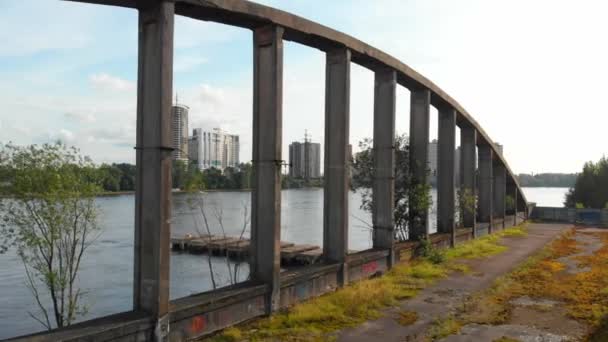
{"points": [[238, 248]]}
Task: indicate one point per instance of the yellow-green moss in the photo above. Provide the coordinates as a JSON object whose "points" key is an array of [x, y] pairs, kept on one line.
{"points": [[542, 276], [486, 245], [407, 317], [444, 327], [316, 319]]}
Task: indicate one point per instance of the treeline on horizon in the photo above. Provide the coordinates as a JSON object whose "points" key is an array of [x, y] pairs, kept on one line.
{"points": [[120, 177], [186, 176], [549, 180]]}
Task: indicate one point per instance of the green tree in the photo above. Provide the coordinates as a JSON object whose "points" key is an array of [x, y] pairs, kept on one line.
{"points": [[405, 189], [110, 177], [466, 203], [179, 173], [49, 216], [591, 187], [127, 178], [194, 179], [214, 178]]}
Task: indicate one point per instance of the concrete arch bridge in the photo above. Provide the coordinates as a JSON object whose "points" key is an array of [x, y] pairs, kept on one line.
{"points": [[154, 316]]}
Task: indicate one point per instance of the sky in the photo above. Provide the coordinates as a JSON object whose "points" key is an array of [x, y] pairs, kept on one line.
{"points": [[532, 73]]}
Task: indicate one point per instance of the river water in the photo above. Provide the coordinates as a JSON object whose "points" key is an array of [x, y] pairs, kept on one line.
{"points": [[107, 268]]}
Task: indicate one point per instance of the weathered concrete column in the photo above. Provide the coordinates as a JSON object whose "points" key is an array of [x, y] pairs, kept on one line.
{"points": [[265, 260], [337, 158], [468, 182], [485, 155], [420, 107], [383, 195], [153, 162], [500, 191], [515, 200], [446, 177]]}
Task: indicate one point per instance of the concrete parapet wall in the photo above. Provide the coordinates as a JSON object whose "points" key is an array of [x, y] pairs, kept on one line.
{"points": [[597, 217]]}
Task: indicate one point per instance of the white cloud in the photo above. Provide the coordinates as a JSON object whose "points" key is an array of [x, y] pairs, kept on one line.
{"points": [[107, 82], [124, 135], [211, 96], [64, 135], [187, 63], [83, 117]]}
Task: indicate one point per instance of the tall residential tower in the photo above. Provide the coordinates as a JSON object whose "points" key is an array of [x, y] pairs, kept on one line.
{"points": [[179, 129]]}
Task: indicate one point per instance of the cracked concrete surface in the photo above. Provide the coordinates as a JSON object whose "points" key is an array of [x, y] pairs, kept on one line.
{"points": [[446, 296]]}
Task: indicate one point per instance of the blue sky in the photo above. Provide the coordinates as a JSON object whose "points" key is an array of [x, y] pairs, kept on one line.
{"points": [[532, 73]]}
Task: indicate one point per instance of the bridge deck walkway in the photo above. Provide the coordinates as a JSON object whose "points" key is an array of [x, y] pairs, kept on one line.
{"points": [[445, 297]]}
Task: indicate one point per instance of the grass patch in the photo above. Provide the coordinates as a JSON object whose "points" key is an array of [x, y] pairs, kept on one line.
{"points": [[317, 318], [542, 276], [486, 245], [516, 231], [444, 327], [314, 320], [407, 318]]}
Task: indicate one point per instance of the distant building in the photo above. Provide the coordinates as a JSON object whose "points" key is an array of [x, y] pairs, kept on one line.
{"points": [[179, 129], [457, 166], [195, 147], [500, 147], [432, 162], [214, 148], [305, 160]]}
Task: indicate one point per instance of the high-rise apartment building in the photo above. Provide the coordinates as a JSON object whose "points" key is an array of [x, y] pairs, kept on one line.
{"points": [[195, 147], [179, 129], [433, 154], [214, 148], [500, 147], [305, 159]]}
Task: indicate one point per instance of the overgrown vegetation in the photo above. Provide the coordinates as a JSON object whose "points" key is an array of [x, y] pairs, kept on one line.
{"points": [[318, 318], [187, 176], [407, 317], [444, 327], [591, 187], [465, 205], [408, 194], [543, 276]]}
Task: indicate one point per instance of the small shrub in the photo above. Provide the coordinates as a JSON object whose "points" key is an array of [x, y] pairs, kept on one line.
{"points": [[444, 327], [428, 251], [407, 318]]}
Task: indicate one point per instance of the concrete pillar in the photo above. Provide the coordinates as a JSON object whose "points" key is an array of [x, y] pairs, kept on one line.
{"points": [[265, 260], [153, 162], [500, 191], [468, 183], [515, 200], [485, 155], [385, 85], [337, 158], [420, 106], [446, 176]]}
